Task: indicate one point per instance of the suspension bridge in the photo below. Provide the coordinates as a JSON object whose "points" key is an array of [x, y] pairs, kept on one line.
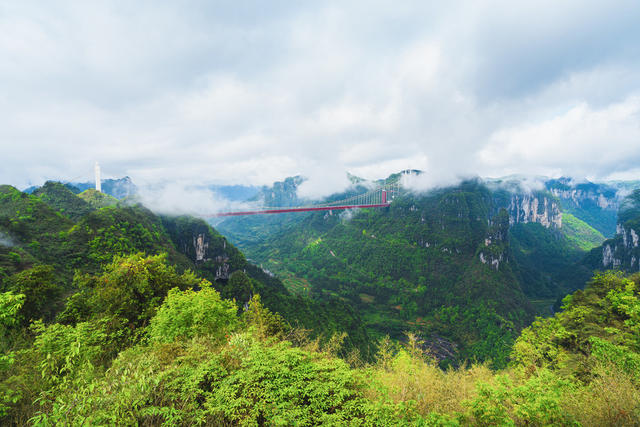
{"points": [[378, 198]]}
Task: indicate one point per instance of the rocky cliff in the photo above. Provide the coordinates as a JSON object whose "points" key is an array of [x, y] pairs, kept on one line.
{"points": [[596, 204], [206, 248], [494, 250], [623, 251], [535, 207]]}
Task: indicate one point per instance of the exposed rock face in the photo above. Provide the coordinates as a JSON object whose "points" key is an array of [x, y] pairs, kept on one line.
{"points": [[222, 272], [494, 250], [623, 251], [525, 208], [583, 197], [493, 260], [607, 255], [200, 245], [440, 348]]}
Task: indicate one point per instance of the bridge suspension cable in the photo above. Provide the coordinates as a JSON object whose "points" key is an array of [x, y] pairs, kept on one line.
{"points": [[376, 198]]}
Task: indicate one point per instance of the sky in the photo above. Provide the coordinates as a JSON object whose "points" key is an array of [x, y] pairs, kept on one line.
{"points": [[250, 92]]}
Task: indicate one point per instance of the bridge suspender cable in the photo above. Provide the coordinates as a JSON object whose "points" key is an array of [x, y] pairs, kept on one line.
{"points": [[378, 198]]}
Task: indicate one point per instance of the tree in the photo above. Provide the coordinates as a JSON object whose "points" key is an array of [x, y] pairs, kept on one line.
{"points": [[186, 314], [41, 291]]}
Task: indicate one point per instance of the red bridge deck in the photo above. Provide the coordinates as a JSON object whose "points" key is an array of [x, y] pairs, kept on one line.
{"points": [[307, 209]]}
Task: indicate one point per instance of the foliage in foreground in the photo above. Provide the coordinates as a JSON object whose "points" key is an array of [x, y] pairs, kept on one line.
{"points": [[189, 358]]}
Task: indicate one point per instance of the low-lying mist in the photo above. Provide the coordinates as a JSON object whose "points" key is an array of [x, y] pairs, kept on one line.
{"points": [[6, 240], [179, 198]]}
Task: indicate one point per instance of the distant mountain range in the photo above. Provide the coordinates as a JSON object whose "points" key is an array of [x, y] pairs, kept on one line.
{"points": [[464, 268], [118, 188], [490, 252], [124, 187]]}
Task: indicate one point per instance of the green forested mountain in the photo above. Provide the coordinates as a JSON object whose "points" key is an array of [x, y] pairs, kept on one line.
{"points": [[595, 204], [623, 250], [120, 316], [41, 242], [128, 355], [97, 199], [464, 267], [61, 198]]}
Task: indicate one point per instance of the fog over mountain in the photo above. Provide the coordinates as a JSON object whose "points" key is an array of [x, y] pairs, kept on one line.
{"points": [[228, 93]]}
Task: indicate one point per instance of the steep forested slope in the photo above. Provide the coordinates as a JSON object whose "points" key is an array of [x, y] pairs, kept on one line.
{"points": [[623, 250], [434, 265], [39, 236], [463, 263], [593, 203], [193, 359], [140, 339]]}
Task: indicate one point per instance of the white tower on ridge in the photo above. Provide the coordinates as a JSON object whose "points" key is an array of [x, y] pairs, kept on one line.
{"points": [[98, 181]]}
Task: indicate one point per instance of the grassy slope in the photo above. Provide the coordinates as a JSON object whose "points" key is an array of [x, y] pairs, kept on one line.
{"points": [[580, 235], [548, 261], [97, 199]]}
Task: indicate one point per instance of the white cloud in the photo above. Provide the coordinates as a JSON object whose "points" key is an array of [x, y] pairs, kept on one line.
{"points": [[228, 94], [178, 198], [5, 240], [582, 141]]}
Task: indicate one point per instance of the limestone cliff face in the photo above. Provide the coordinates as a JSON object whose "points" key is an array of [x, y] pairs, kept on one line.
{"points": [[494, 250], [220, 259], [538, 208], [623, 251], [200, 245], [204, 247], [583, 198]]}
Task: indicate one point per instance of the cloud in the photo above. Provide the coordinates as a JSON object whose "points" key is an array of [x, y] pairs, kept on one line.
{"points": [[242, 94], [5, 240], [180, 198], [582, 141], [320, 184]]}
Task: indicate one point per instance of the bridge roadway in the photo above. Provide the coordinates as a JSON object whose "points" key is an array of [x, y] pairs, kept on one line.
{"points": [[301, 209]]}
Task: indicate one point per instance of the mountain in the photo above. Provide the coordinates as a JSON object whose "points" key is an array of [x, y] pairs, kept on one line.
{"points": [[623, 250], [118, 188], [161, 316], [97, 199], [434, 264], [42, 234], [250, 230], [470, 264], [595, 204], [63, 199]]}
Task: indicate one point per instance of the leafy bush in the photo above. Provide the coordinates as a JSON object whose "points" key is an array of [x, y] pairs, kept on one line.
{"points": [[187, 314]]}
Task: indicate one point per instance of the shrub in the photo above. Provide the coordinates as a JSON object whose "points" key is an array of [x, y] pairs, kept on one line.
{"points": [[186, 314]]}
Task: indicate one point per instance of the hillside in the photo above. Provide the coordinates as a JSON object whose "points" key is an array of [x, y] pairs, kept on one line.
{"points": [[467, 266], [97, 199], [39, 235], [163, 313], [623, 250], [419, 265], [594, 203], [202, 362]]}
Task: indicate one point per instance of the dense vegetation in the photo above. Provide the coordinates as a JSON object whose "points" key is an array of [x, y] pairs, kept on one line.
{"points": [[118, 316], [39, 241], [144, 348], [589, 209], [445, 265]]}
